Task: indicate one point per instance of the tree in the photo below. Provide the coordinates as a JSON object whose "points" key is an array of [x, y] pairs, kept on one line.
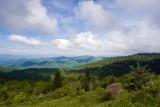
{"points": [[57, 83], [138, 77], [88, 82]]}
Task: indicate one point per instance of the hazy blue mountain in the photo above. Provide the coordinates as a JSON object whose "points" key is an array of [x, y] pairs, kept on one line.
{"points": [[51, 62], [116, 66]]}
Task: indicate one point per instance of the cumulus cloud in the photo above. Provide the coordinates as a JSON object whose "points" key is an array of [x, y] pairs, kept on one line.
{"points": [[24, 40], [26, 16], [84, 40], [120, 27], [87, 40], [62, 43], [94, 16], [140, 38]]}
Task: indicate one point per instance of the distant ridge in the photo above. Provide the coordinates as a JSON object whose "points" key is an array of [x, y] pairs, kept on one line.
{"points": [[51, 62], [120, 65], [116, 66]]}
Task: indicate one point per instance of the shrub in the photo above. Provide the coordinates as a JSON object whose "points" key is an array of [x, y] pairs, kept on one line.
{"points": [[63, 91], [20, 98], [8, 102], [42, 87], [11, 95], [112, 91], [139, 76], [81, 92], [50, 94]]}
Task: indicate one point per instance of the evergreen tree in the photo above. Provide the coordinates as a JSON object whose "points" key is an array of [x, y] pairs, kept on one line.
{"points": [[57, 83], [88, 82], [139, 76]]}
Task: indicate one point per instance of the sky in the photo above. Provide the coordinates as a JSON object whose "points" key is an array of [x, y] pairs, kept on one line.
{"points": [[79, 27]]}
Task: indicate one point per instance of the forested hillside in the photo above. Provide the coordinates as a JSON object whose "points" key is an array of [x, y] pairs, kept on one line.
{"points": [[7, 69], [140, 88], [116, 66], [79, 53], [120, 65]]}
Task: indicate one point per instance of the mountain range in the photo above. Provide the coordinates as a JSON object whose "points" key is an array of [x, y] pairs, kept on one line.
{"points": [[116, 66], [51, 62]]}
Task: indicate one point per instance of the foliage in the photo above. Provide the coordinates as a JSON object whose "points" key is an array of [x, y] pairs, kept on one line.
{"points": [[69, 79], [139, 88], [109, 80], [139, 76], [112, 91], [116, 66], [88, 81], [44, 74], [7, 69], [20, 98], [57, 83], [42, 87], [148, 96]]}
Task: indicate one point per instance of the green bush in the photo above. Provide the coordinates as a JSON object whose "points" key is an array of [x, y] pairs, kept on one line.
{"points": [[20, 98], [11, 95], [42, 87], [81, 92], [63, 91], [112, 91], [3, 95]]}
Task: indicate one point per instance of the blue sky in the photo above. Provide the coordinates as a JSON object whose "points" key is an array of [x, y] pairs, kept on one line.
{"points": [[79, 27]]}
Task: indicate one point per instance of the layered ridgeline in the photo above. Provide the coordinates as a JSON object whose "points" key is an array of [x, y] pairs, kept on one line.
{"points": [[55, 62], [116, 66]]}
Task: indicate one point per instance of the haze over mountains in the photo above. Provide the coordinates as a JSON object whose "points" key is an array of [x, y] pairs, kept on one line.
{"points": [[50, 62], [79, 53], [100, 66]]}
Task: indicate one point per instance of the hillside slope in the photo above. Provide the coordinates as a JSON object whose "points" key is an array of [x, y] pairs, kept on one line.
{"points": [[112, 66], [120, 65]]}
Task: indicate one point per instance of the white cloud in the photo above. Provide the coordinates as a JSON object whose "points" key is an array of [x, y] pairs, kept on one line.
{"points": [[94, 16], [24, 40], [139, 9], [94, 30], [140, 38], [62, 43], [26, 15], [87, 40], [135, 5]]}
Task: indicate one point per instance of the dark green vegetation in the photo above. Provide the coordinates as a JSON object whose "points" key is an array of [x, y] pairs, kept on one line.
{"points": [[57, 83], [116, 66], [85, 86], [7, 69], [56, 62]]}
